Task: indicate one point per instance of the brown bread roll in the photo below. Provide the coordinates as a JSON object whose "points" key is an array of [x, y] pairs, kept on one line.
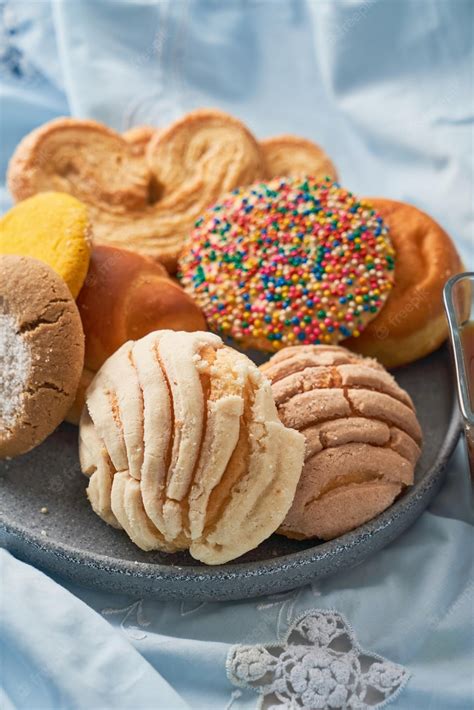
{"points": [[412, 323], [126, 296]]}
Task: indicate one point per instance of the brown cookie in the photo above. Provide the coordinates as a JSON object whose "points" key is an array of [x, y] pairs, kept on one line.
{"points": [[41, 352]]}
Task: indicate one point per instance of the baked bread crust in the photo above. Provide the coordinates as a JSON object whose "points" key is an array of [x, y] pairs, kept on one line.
{"points": [[412, 323], [127, 296]]}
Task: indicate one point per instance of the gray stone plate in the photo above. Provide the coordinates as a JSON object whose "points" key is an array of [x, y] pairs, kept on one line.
{"points": [[72, 542]]}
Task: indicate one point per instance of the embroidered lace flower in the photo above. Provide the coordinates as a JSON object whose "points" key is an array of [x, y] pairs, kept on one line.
{"points": [[318, 664]]}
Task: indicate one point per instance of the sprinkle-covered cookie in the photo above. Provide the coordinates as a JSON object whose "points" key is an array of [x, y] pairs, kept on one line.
{"points": [[291, 261]]}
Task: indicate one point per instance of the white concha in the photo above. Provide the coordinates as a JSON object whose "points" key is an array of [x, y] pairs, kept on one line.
{"points": [[184, 448]]}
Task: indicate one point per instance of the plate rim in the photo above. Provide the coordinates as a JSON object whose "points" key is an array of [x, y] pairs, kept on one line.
{"points": [[234, 570]]}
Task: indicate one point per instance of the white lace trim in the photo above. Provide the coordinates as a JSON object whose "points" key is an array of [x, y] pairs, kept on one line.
{"points": [[318, 664]]}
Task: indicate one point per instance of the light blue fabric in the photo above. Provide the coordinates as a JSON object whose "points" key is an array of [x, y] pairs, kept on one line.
{"points": [[386, 87]]}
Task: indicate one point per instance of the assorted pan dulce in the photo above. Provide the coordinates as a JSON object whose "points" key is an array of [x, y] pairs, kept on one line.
{"points": [[186, 443], [146, 188], [145, 203]]}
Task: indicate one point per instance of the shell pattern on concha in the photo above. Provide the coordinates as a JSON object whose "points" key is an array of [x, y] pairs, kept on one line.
{"points": [[362, 437], [184, 449]]}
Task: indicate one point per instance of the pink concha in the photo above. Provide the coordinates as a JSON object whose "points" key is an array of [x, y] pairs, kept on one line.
{"points": [[362, 437]]}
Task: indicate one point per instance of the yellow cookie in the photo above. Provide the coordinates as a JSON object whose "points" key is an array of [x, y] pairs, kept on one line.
{"points": [[53, 227]]}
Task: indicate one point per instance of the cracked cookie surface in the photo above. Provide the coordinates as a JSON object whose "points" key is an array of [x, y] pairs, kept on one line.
{"points": [[41, 352]]}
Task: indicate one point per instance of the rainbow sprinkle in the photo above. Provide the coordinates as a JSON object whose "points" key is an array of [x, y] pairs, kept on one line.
{"points": [[291, 261]]}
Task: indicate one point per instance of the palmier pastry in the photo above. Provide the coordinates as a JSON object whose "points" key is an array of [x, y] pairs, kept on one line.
{"points": [[144, 203], [139, 137], [290, 155]]}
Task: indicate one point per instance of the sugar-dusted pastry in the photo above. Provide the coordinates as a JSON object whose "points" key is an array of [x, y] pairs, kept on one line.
{"points": [[412, 324], [291, 261], [362, 437], [290, 155], [126, 296], [53, 227], [41, 352], [184, 449], [139, 137], [144, 203]]}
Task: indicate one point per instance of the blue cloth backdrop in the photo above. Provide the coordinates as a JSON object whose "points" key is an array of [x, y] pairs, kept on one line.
{"points": [[387, 88]]}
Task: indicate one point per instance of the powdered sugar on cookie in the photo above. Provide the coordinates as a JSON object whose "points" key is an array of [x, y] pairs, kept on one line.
{"points": [[15, 364]]}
